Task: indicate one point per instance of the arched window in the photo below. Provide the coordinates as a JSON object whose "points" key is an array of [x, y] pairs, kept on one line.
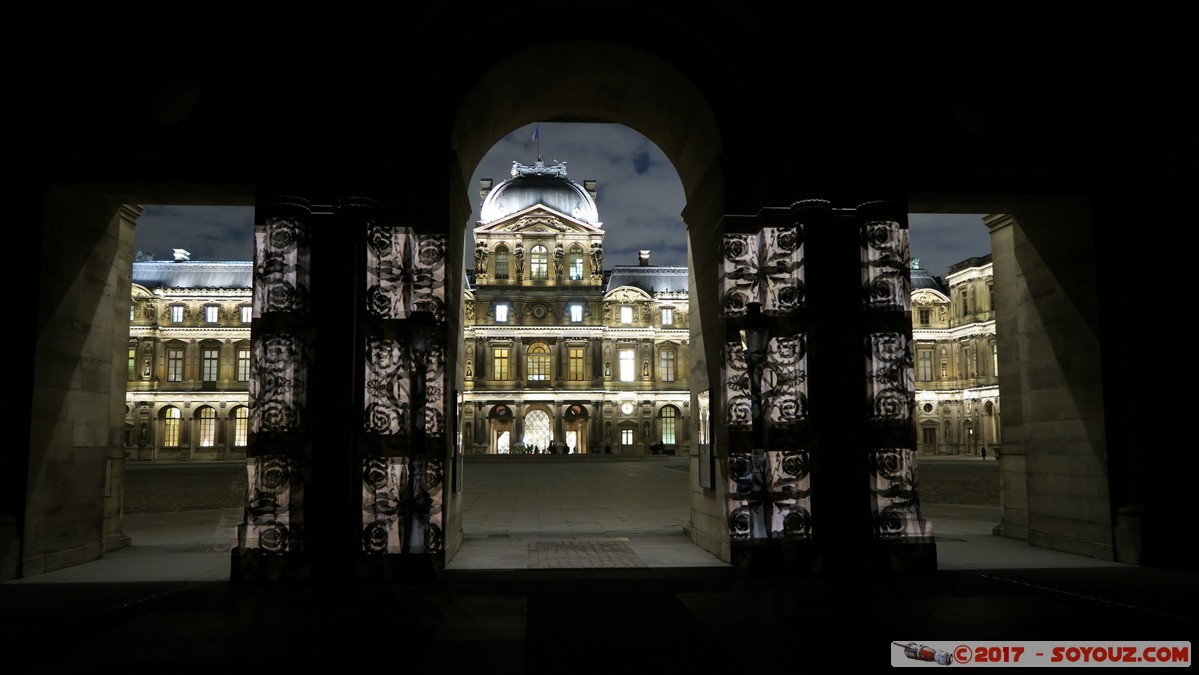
{"points": [[207, 418], [575, 262], [539, 262], [539, 361], [241, 427], [171, 422], [670, 417], [501, 262], [537, 430]]}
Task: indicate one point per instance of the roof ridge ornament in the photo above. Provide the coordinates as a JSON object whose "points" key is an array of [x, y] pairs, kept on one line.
{"points": [[539, 169]]}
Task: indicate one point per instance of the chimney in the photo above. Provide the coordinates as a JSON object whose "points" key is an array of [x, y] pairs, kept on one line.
{"points": [[181, 255], [589, 186], [645, 257], [484, 187]]}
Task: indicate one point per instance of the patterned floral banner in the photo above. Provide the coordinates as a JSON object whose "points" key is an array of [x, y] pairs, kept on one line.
{"points": [[769, 495], [764, 267], [273, 519], [282, 250], [784, 384], [886, 281], [388, 399], [435, 388], [894, 498], [425, 521], [890, 377], [383, 483], [278, 388], [405, 272]]}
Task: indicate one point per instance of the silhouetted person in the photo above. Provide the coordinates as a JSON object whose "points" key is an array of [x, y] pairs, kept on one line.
{"points": [[984, 454]]}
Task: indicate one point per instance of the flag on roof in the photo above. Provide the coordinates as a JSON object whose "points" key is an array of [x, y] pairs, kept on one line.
{"points": [[536, 133]]}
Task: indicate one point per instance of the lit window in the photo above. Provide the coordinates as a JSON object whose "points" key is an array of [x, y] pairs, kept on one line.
{"points": [[174, 365], [669, 420], [666, 362], [170, 427], [241, 427], [211, 359], [243, 364], [212, 313], [626, 437], [628, 366], [247, 313], [499, 364], [576, 263], [501, 312], [132, 312], [207, 427], [667, 316], [177, 313], [132, 362], [539, 258], [539, 361], [626, 314], [501, 262], [576, 363], [576, 312]]}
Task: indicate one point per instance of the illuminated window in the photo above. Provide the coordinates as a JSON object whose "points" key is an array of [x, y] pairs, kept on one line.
{"points": [[539, 258], [243, 364], [211, 360], [539, 361], [924, 366], [212, 313], [132, 312], [666, 363], [576, 312], [501, 262], [628, 366], [994, 359], [174, 365], [499, 363], [626, 438], [576, 363], [207, 427], [241, 427], [170, 427], [575, 263], [132, 362], [501, 312], [667, 316], [247, 313], [626, 314], [176, 313], [669, 422]]}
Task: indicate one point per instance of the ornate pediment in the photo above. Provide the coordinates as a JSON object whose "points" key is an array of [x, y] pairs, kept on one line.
{"points": [[626, 294], [538, 219], [925, 297]]}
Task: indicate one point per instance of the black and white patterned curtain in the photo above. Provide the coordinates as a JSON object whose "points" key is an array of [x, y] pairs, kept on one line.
{"points": [[769, 490], [890, 379], [405, 390], [278, 390]]}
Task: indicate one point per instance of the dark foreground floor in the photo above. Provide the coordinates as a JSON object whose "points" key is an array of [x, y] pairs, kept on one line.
{"points": [[166, 603]]}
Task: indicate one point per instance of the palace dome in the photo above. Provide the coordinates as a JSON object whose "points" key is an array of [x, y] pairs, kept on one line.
{"points": [[539, 184]]}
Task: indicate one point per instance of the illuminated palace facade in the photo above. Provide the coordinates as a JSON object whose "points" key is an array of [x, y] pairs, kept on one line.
{"points": [[189, 359], [557, 349], [957, 358], [559, 352]]}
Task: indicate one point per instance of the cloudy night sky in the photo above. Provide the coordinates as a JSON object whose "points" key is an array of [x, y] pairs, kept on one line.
{"points": [[639, 200]]}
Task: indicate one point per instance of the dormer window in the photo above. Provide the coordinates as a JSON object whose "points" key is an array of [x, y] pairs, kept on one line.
{"points": [[575, 263], [626, 314], [539, 262], [501, 262]]}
